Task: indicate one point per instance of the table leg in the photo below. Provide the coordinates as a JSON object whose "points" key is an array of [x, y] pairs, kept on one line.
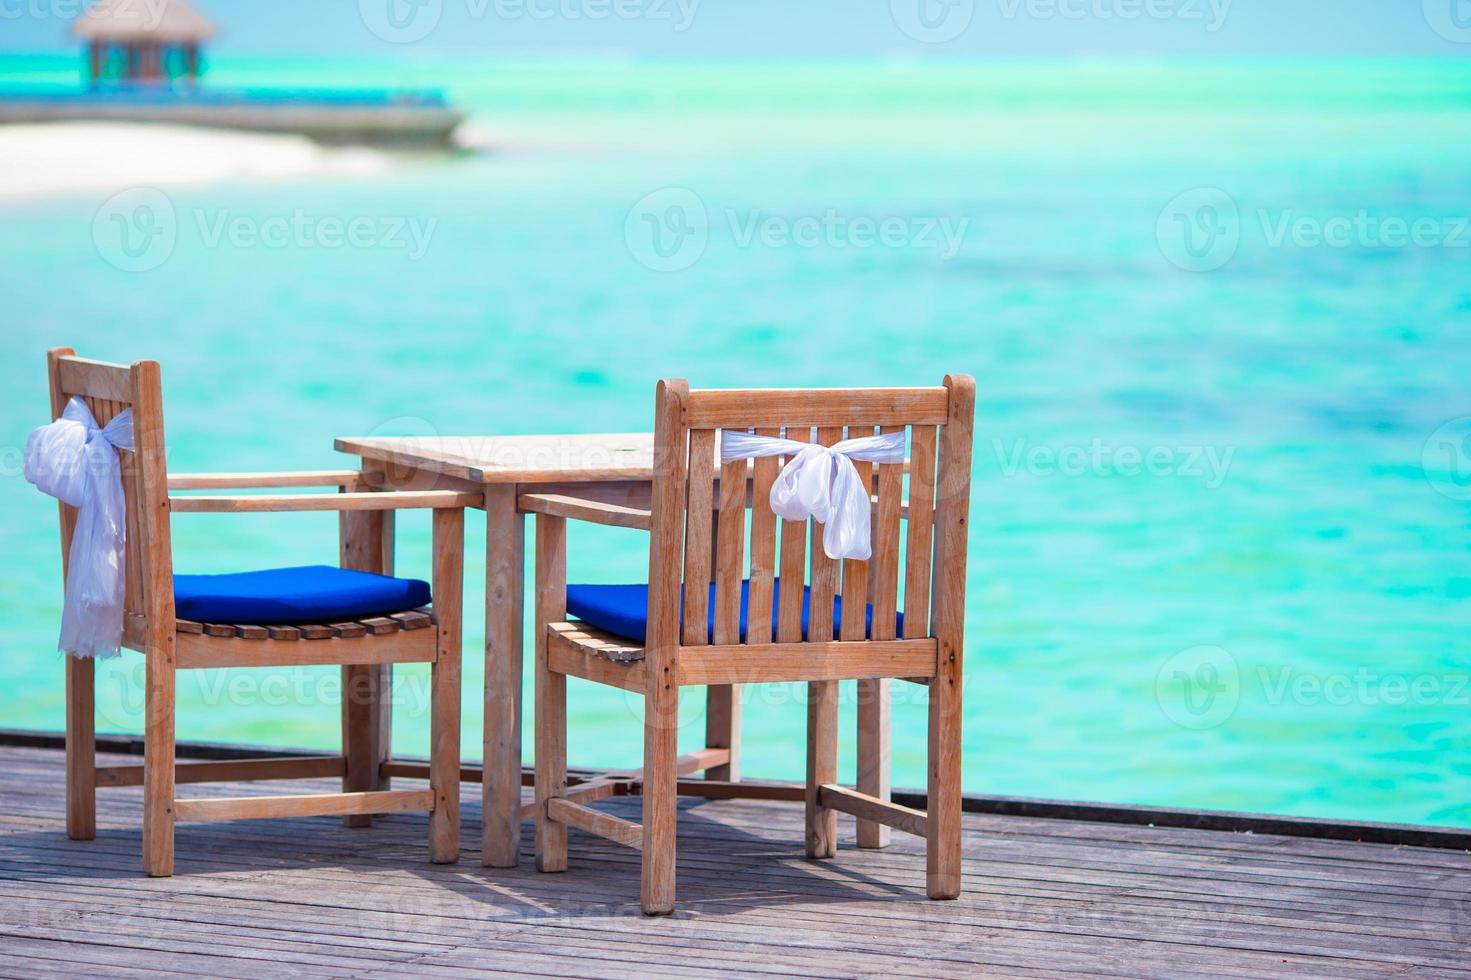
{"points": [[504, 570]]}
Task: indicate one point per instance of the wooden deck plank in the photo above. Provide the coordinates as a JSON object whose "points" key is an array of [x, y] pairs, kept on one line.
{"points": [[306, 896]]}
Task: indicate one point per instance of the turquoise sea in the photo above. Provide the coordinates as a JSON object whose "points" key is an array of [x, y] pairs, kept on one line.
{"points": [[1219, 313]]}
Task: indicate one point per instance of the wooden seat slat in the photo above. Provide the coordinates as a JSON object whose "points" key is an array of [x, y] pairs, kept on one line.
{"points": [[413, 620], [592, 640]]}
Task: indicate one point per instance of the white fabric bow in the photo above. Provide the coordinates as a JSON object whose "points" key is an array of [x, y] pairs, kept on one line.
{"points": [[75, 461], [822, 483]]}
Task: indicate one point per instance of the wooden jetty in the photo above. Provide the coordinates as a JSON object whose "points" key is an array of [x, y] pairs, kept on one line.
{"points": [[1042, 897], [143, 65], [377, 118]]}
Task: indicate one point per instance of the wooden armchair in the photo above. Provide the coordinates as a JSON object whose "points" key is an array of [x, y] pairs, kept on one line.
{"points": [[759, 629], [365, 645]]}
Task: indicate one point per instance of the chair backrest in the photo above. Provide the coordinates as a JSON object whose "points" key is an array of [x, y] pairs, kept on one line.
{"points": [[700, 527], [108, 389]]}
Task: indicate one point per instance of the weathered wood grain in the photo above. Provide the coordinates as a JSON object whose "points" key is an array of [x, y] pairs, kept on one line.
{"points": [[1041, 898]]}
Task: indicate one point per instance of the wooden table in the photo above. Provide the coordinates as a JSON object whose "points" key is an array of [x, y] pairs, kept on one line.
{"points": [[612, 468]]}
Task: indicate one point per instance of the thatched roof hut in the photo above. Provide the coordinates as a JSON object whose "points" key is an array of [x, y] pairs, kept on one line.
{"points": [[143, 40]]}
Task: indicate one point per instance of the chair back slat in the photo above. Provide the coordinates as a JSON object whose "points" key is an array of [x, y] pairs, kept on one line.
{"points": [[733, 409], [793, 573], [763, 546], [730, 551], [699, 540], [94, 379], [133, 578], [884, 567], [920, 544], [855, 573], [825, 571], [108, 390]]}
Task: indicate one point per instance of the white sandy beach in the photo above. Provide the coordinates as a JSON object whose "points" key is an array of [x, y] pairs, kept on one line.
{"points": [[65, 159]]}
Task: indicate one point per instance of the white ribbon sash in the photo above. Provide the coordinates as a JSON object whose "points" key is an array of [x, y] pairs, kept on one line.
{"points": [[75, 461], [822, 483]]}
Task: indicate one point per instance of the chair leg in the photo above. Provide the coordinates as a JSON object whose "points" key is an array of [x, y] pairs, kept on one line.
{"points": [[822, 766], [551, 692], [873, 754], [81, 748], [661, 735], [723, 729], [942, 856], [158, 766], [366, 722], [551, 763]]}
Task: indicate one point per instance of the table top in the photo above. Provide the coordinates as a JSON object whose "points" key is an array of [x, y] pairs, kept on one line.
{"points": [[587, 458]]}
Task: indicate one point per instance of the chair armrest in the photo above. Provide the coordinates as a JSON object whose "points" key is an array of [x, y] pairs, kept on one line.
{"points": [[280, 503], [348, 479], [582, 509]]}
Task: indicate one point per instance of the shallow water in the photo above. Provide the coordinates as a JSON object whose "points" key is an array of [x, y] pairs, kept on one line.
{"points": [[1220, 520]]}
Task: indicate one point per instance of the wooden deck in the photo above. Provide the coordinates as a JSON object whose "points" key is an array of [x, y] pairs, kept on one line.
{"points": [[1042, 898]]}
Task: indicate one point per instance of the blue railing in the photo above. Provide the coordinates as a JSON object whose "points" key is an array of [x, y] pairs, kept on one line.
{"points": [[133, 94]]}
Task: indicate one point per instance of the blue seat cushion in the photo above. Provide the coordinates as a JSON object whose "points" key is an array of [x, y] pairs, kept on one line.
{"points": [[623, 609], [308, 594]]}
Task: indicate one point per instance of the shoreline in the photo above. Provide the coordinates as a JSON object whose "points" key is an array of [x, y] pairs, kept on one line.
{"points": [[50, 161]]}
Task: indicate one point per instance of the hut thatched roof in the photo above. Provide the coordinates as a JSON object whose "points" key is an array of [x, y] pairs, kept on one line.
{"points": [[167, 21]]}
